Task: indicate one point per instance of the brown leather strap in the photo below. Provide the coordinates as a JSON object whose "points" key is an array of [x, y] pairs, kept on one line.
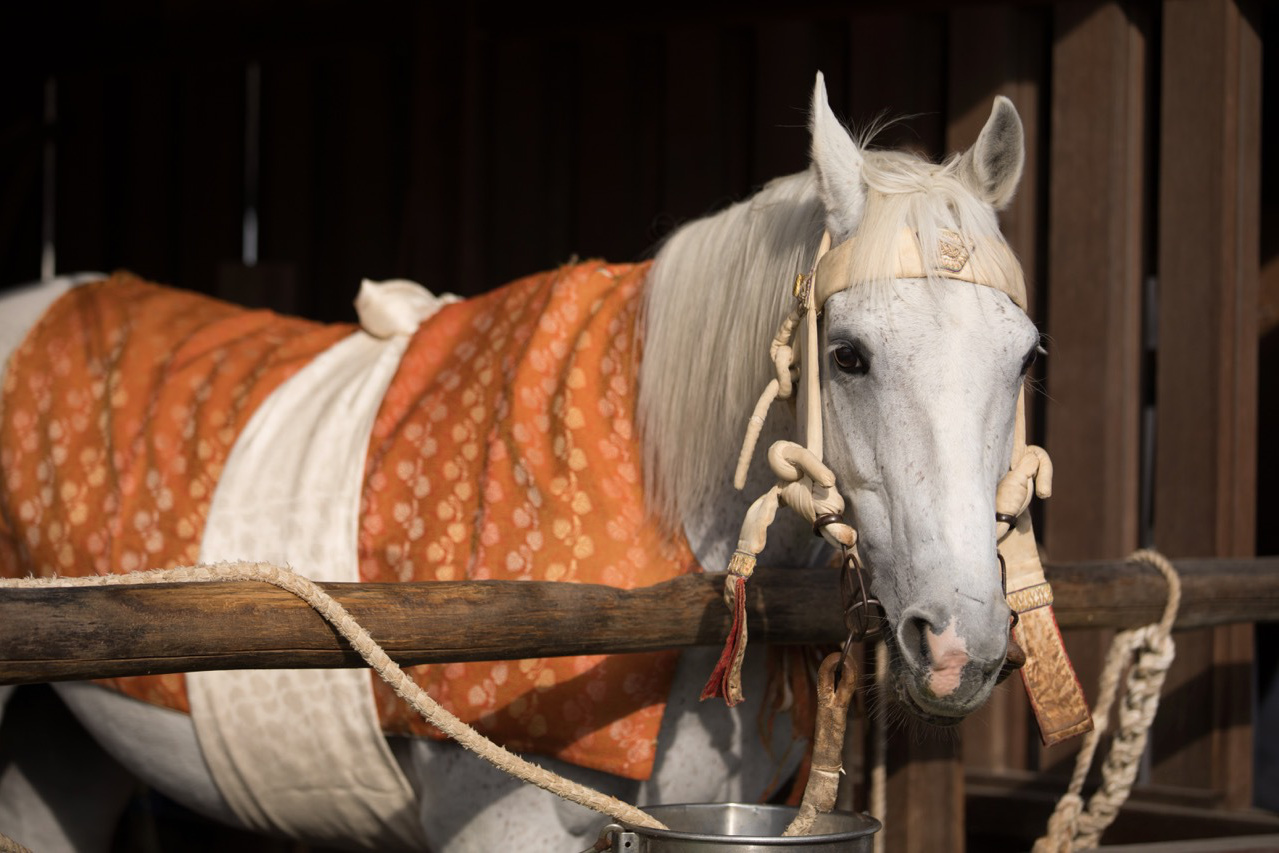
{"points": [[1054, 690]]}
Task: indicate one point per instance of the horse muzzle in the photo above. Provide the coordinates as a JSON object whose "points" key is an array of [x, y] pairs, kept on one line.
{"points": [[940, 684]]}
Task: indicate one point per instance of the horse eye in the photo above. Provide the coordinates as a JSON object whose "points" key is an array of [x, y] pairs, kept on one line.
{"points": [[1029, 359], [850, 360]]}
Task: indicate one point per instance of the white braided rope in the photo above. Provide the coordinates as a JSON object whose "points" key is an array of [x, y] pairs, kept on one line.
{"points": [[337, 616], [8, 845], [1147, 653]]}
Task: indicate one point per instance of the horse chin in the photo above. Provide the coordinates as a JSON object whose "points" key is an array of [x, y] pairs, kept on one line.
{"points": [[906, 696]]}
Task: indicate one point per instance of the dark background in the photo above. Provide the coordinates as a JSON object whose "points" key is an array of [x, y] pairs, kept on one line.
{"points": [[461, 148]]}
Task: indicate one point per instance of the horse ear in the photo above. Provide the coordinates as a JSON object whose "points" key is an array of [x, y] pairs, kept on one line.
{"points": [[995, 162], [838, 164]]}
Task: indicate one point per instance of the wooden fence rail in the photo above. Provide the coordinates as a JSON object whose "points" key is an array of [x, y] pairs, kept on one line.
{"points": [[64, 634]]}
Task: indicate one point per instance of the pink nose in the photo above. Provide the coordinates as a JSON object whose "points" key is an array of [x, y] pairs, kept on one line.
{"points": [[948, 655]]}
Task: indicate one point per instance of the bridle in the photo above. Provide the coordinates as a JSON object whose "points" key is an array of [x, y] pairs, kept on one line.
{"points": [[808, 487]]}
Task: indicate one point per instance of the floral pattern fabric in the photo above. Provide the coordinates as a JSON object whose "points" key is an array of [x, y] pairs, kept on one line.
{"points": [[503, 449]]}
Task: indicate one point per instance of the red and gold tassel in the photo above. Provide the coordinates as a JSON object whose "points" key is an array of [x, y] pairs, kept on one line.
{"points": [[726, 680]]}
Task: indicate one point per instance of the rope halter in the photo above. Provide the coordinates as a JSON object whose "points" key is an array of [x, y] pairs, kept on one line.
{"points": [[807, 485]]}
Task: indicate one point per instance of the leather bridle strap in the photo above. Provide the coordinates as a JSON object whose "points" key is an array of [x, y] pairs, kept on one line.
{"points": [[806, 485], [1055, 694]]}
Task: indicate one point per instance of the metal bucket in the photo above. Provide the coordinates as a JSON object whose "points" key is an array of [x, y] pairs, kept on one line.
{"points": [[741, 828]]}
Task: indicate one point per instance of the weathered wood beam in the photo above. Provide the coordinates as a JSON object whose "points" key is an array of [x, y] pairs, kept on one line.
{"points": [[98, 632], [1097, 225], [1205, 451]]}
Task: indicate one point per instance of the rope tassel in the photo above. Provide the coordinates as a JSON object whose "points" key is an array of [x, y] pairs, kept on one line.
{"points": [[1146, 653], [726, 679], [803, 482]]}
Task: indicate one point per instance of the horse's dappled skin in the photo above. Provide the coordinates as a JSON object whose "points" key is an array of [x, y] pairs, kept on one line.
{"points": [[934, 393], [920, 380]]}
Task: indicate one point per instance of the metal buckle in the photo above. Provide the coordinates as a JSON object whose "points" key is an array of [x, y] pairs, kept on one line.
{"points": [[1003, 584]]}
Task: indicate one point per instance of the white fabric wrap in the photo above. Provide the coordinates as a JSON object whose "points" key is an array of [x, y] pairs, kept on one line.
{"points": [[301, 751]]}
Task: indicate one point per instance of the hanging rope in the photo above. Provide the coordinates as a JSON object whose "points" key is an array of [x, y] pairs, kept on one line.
{"points": [[8, 845], [818, 797], [1146, 653], [337, 616]]}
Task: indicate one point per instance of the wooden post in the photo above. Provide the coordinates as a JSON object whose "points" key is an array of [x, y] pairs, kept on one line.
{"points": [[1094, 274], [1209, 216], [924, 763]]}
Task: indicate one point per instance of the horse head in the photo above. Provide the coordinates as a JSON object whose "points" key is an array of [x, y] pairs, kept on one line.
{"points": [[920, 372], [920, 382]]}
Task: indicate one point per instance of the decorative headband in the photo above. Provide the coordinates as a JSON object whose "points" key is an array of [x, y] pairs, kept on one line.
{"points": [[988, 262]]}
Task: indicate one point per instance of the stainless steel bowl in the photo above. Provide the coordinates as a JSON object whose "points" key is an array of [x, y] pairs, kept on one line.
{"points": [[741, 828]]}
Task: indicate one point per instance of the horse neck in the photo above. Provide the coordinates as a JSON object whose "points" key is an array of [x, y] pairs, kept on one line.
{"points": [[718, 290]]}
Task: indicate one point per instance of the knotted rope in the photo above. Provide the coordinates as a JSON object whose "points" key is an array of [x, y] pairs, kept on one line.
{"points": [[337, 616], [8, 845], [804, 483], [1147, 652]]}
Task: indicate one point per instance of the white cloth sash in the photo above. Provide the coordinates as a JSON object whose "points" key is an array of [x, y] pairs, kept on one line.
{"points": [[301, 752]]}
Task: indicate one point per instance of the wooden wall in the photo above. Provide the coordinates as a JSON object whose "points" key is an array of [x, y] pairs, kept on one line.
{"points": [[464, 148]]}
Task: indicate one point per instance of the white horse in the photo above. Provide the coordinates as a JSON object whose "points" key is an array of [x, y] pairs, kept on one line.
{"points": [[919, 383]]}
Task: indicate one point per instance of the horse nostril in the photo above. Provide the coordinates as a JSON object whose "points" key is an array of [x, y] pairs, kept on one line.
{"points": [[922, 628], [913, 640]]}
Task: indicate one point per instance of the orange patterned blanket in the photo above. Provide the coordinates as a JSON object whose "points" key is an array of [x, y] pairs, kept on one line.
{"points": [[503, 449]]}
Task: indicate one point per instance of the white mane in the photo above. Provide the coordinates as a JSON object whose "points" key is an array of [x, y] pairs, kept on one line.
{"points": [[721, 285]]}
